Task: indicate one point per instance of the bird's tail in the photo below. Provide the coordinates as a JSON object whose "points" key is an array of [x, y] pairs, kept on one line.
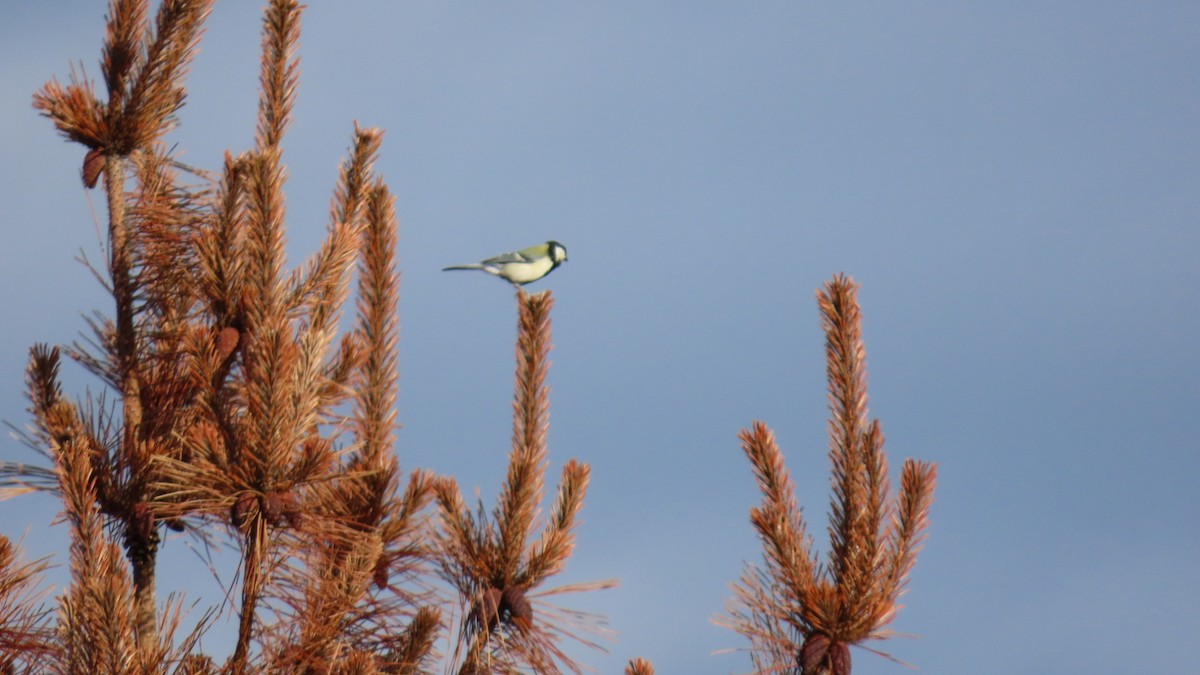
{"points": [[472, 266]]}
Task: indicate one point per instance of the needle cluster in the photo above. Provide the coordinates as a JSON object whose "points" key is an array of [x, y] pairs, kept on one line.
{"points": [[496, 564], [799, 613], [26, 636]]}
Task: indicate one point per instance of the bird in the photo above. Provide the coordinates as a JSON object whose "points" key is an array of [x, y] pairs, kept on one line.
{"points": [[521, 267]]}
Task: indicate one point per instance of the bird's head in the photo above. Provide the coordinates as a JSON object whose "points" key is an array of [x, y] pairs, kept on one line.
{"points": [[558, 252]]}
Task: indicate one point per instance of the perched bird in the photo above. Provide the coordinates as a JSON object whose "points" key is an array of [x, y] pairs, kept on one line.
{"points": [[524, 266]]}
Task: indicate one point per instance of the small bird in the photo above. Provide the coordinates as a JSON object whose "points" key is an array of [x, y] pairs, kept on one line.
{"points": [[521, 267]]}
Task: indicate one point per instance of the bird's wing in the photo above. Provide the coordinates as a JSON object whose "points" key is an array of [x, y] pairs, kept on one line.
{"points": [[510, 257]]}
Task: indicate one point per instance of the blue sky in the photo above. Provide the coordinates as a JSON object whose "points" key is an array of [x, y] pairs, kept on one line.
{"points": [[1015, 185]]}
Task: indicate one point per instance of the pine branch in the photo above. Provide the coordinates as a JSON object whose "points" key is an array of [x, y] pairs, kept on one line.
{"points": [[378, 298], [96, 614], [125, 23], [795, 612], [491, 562], [778, 521], [905, 535], [415, 645], [76, 113], [280, 71], [221, 261], [849, 522], [157, 91], [557, 541], [522, 490], [26, 637]]}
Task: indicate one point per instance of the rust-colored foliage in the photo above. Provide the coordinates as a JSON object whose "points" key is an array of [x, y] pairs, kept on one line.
{"points": [[639, 666], [797, 612], [241, 416], [229, 374], [488, 560], [26, 638], [139, 352]]}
